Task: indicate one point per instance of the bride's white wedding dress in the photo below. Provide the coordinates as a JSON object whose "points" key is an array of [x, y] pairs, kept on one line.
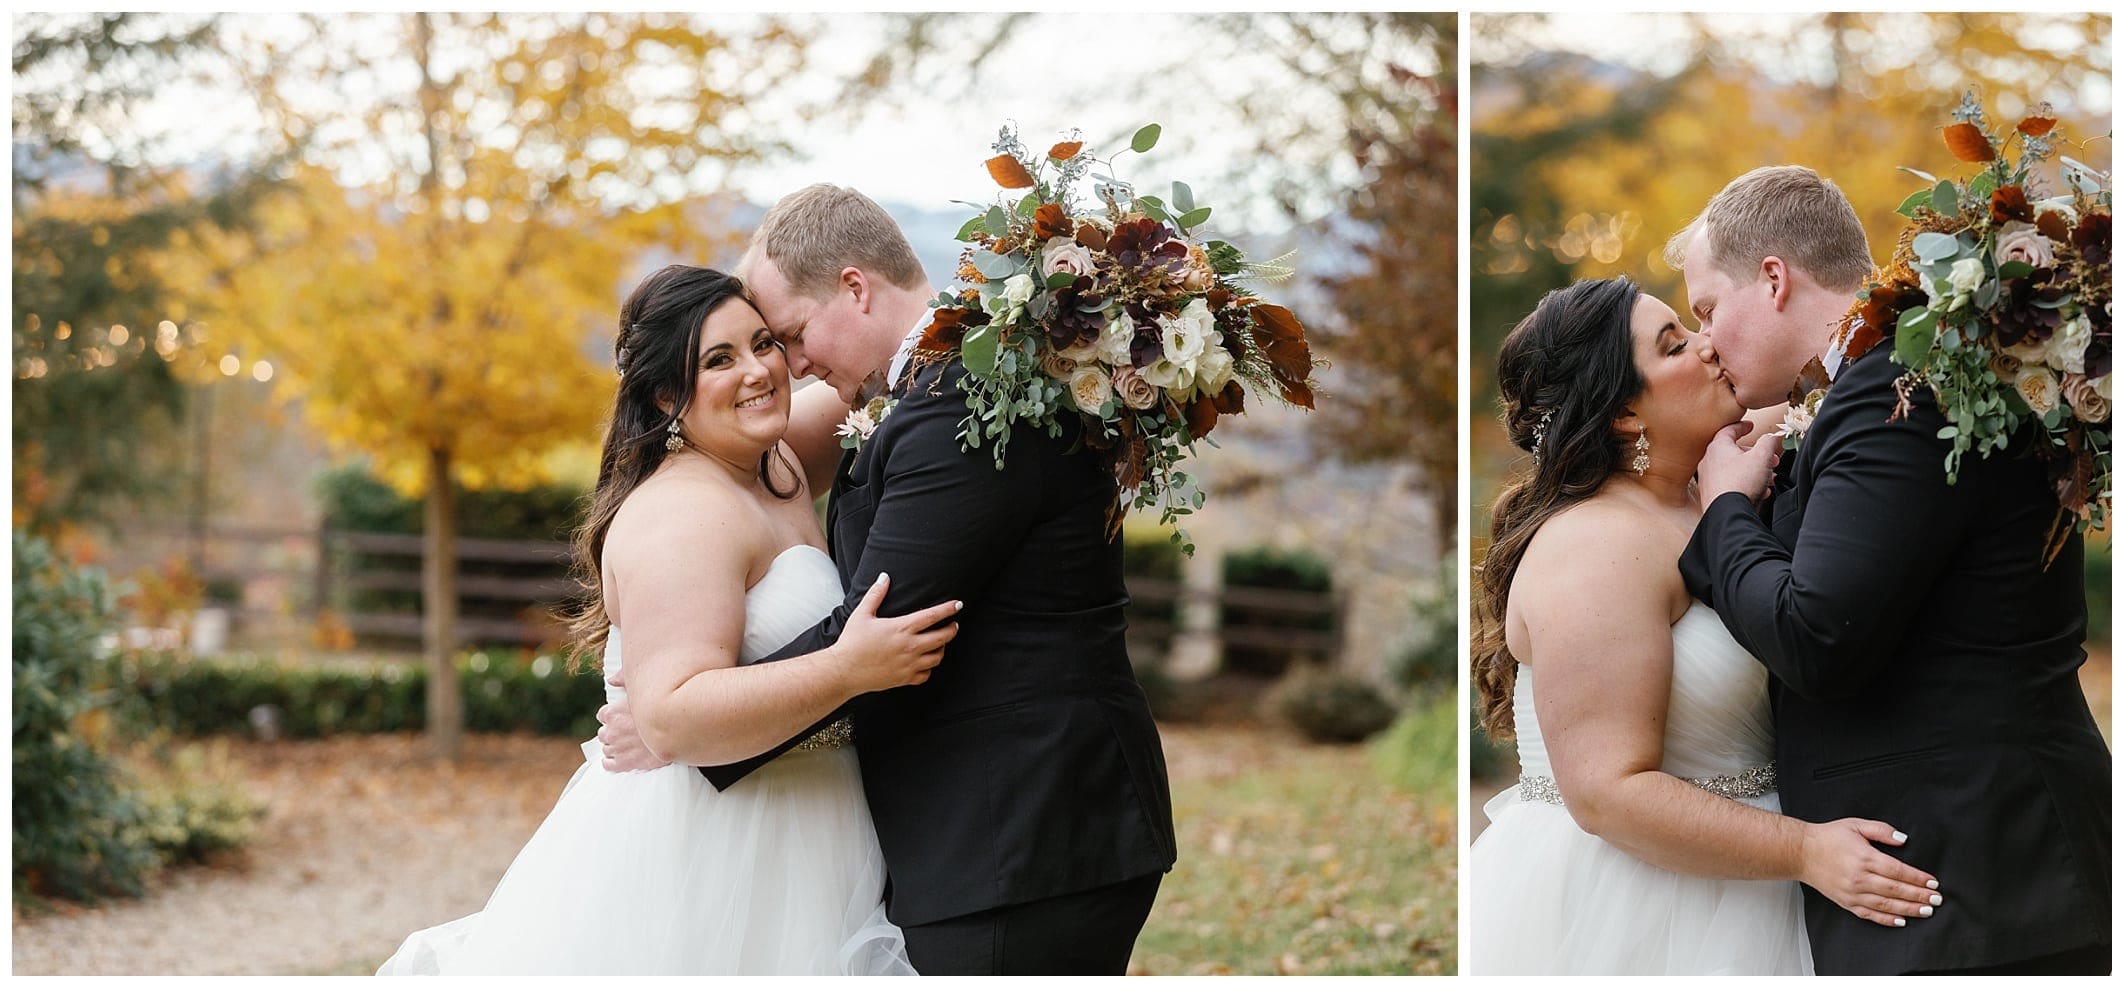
{"points": [[1548, 898], [658, 873]]}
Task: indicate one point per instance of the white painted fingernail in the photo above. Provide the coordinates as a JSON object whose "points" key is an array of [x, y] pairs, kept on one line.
{"points": [[1901, 837], [1932, 883], [1935, 901], [1924, 910], [1900, 921]]}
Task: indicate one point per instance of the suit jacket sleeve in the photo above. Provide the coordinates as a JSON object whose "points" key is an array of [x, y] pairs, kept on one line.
{"points": [[945, 522], [1880, 523]]}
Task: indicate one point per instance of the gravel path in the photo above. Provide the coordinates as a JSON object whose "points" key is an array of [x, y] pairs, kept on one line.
{"points": [[365, 841]]}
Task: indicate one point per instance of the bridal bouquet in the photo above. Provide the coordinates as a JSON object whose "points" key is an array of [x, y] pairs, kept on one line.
{"points": [[1113, 309], [1998, 301]]}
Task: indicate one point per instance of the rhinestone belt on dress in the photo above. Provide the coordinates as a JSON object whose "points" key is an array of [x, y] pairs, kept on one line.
{"points": [[1758, 781], [839, 734]]}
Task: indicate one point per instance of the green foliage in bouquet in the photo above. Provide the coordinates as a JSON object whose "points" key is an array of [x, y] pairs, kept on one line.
{"points": [[1997, 300], [1113, 309]]}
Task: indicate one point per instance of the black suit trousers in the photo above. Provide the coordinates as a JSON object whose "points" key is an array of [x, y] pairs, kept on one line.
{"points": [[1090, 932]]}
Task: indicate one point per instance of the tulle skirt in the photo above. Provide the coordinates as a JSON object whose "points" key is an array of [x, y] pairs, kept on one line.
{"points": [[1545, 897], [658, 873]]}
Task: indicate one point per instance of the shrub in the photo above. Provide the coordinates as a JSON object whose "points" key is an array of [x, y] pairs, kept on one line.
{"points": [[1420, 752], [1330, 706], [192, 805], [1431, 659], [1274, 569], [503, 691], [72, 814]]}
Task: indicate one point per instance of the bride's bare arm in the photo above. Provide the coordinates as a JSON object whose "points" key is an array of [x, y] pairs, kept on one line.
{"points": [[677, 581], [814, 413], [1597, 606]]}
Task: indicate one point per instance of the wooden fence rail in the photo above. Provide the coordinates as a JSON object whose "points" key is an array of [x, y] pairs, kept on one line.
{"points": [[510, 591]]}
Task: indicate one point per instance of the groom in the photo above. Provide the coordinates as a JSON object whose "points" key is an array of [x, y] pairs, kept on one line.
{"points": [[1020, 794], [1924, 658]]}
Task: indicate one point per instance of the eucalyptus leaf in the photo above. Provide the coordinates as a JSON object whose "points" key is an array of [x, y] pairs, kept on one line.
{"points": [[1060, 279], [1195, 217], [2015, 269], [1913, 336], [994, 266], [972, 226], [1183, 197], [997, 220], [1944, 199], [1982, 185], [979, 351], [1927, 176], [1987, 293], [1935, 246], [1026, 205], [1145, 139], [1909, 208]]}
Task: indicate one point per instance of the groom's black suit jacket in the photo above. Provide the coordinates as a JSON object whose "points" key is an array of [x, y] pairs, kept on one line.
{"points": [[1924, 670], [1028, 766]]}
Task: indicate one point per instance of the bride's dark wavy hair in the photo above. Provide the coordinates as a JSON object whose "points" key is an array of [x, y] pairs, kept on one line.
{"points": [[655, 350], [1571, 361]]}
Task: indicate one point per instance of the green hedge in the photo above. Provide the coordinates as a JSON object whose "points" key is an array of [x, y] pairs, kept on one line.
{"points": [[503, 692], [75, 817], [1274, 569]]}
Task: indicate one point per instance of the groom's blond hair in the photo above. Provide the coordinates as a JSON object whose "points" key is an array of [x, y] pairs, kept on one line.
{"points": [[1786, 211], [816, 231]]}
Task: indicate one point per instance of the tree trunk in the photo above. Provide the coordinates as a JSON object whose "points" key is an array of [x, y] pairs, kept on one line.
{"points": [[438, 608]]}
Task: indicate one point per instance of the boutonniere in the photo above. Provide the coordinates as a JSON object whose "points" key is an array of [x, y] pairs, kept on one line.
{"points": [[1804, 399], [864, 420]]}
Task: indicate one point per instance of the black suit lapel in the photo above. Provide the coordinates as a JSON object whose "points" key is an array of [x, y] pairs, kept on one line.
{"points": [[841, 482]]}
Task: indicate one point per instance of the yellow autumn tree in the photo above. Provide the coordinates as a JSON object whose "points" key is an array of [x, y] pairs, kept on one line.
{"points": [[1582, 169], [446, 310]]}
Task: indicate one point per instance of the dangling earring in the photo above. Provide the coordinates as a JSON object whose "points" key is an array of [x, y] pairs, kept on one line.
{"points": [[1643, 461], [673, 441]]}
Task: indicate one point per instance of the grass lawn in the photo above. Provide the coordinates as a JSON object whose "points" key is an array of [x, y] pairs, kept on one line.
{"points": [[1300, 859]]}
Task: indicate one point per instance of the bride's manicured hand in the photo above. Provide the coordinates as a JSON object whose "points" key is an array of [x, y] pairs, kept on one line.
{"points": [[1840, 861], [876, 653], [1727, 467], [624, 750]]}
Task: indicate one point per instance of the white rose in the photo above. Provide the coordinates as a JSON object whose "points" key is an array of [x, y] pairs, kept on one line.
{"points": [[1018, 290], [1215, 369], [1966, 275], [2067, 349], [1090, 387], [1186, 335], [2039, 388], [1063, 254], [1115, 340]]}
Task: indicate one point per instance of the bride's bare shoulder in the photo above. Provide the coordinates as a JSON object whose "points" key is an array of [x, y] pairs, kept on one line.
{"points": [[682, 512], [1594, 543]]}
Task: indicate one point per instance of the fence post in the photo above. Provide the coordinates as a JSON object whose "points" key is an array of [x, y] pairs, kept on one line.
{"points": [[322, 602], [1198, 648]]}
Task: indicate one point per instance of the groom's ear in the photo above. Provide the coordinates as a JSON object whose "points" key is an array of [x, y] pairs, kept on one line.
{"points": [[857, 285], [1779, 279]]}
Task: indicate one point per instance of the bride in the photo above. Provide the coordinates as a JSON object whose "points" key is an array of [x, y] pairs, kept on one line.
{"points": [[1644, 835], [702, 544]]}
